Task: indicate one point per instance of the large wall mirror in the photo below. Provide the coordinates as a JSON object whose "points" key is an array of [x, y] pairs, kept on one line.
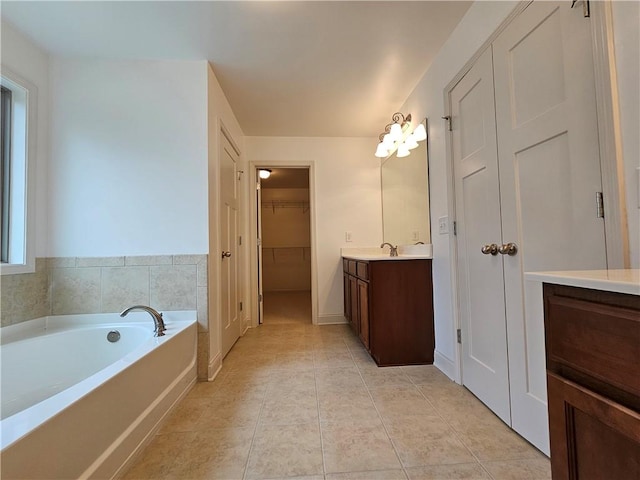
{"points": [[405, 197]]}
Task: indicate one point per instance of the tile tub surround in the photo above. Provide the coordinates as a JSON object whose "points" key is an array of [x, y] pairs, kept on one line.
{"points": [[307, 402], [75, 285], [25, 296]]}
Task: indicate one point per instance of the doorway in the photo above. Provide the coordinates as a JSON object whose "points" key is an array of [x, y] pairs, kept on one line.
{"points": [[284, 246]]}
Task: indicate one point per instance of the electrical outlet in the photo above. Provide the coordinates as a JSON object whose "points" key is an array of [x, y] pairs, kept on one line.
{"points": [[443, 225], [347, 236], [415, 236]]}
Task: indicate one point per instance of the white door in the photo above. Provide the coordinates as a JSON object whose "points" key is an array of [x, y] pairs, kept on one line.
{"points": [[480, 276], [229, 299], [259, 247], [549, 175]]}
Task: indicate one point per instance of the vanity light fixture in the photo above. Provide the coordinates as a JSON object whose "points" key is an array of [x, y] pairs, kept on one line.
{"points": [[398, 137], [264, 173]]}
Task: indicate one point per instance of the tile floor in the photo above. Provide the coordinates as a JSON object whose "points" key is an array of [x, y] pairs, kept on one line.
{"points": [[287, 308], [307, 402]]}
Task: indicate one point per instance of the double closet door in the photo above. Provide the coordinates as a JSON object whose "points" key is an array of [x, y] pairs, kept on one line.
{"points": [[526, 171]]}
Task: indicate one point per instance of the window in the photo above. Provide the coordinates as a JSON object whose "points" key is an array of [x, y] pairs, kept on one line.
{"points": [[5, 172], [17, 151]]}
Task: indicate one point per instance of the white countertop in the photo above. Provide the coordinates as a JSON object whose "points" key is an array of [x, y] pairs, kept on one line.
{"points": [[405, 252], [621, 281]]}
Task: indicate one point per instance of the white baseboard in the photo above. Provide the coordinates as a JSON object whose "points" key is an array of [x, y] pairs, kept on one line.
{"points": [[215, 364], [331, 319], [445, 364]]}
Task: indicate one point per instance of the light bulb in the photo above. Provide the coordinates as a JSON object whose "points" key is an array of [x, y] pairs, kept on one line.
{"points": [[264, 173], [420, 133], [388, 141], [381, 151], [410, 142], [402, 151], [396, 131]]}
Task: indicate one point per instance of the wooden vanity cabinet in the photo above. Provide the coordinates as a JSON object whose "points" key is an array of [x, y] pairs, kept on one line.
{"points": [[389, 306], [593, 383]]}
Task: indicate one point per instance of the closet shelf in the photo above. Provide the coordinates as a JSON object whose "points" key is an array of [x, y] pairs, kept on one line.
{"points": [[273, 204]]}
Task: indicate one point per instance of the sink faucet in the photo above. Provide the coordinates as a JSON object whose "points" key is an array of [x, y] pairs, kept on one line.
{"points": [[157, 318], [393, 251]]}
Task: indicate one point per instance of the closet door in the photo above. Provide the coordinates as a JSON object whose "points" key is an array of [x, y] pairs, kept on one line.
{"points": [[480, 275], [549, 174]]}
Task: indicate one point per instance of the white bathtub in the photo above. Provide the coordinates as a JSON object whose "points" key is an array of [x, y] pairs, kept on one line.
{"points": [[75, 405]]}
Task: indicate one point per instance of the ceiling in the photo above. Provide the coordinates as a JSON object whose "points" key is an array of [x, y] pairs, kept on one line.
{"points": [[286, 178], [288, 68]]}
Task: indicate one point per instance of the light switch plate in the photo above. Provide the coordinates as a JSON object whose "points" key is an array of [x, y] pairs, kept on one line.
{"points": [[347, 236], [443, 225]]}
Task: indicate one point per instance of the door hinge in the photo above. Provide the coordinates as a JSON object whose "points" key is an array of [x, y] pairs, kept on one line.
{"points": [[586, 10], [599, 205], [240, 306], [257, 185], [459, 335], [260, 297], [240, 240], [448, 119], [259, 241], [455, 227]]}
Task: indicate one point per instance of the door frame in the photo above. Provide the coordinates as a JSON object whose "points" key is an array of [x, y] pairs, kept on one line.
{"points": [[609, 137], [252, 243]]}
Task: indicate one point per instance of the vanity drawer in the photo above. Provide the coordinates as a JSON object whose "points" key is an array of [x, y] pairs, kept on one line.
{"points": [[351, 267], [602, 341], [362, 270]]}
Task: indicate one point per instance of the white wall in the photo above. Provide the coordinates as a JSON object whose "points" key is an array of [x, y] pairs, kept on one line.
{"points": [[626, 19], [427, 100], [347, 198], [128, 171], [22, 57]]}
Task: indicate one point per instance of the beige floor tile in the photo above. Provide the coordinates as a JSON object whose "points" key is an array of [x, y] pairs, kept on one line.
{"points": [[463, 471], [377, 475], [401, 400], [349, 448], [186, 416], [340, 379], [502, 443], [532, 469], [285, 451], [425, 375], [352, 407], [383, 376], [333, 359], [426, 440], [215, 453], [156, 460], [299, 406], [226, 412], [281, 381]]}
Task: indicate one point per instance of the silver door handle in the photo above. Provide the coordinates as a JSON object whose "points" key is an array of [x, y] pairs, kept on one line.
{"points": [[489, 249], [508, 249], [226, 254]]}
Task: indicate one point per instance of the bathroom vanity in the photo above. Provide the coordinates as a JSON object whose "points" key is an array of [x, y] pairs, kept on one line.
{"points": [[592, 334], [388, 302]]}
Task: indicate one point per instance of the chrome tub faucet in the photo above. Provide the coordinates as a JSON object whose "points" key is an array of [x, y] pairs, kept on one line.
{"points": [[158, 322], [393, 251]]}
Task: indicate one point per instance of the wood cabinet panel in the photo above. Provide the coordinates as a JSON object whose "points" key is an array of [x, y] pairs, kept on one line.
{"points": [[592, 437], [393, 312], [593, 383], [599, 340]]}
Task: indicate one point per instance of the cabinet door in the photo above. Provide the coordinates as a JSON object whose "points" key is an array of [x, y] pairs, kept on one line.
{"points": [[592, 437], [353, 296], [347, 298], [363, 304]]}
